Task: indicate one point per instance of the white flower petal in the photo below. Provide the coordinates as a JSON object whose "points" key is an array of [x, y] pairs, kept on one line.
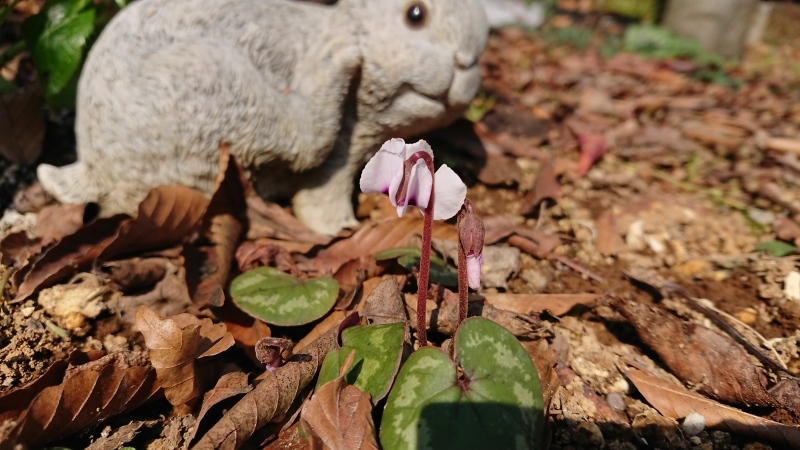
{"points": [[474, 270], [450, 193], [419, 146], [419, 188], [383, 168]]}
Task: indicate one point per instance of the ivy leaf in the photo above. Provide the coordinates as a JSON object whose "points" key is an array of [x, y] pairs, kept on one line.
{"points": [[777, 248], [57, 38], [281, 299], [378, 350], [496, 403]]}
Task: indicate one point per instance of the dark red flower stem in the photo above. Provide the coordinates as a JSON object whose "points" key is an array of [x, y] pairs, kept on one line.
{"points": [[425, 257], [463, 284]]}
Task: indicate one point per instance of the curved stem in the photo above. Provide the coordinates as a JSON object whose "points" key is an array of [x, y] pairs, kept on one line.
{"points": [[425, 257], [463, 284]]}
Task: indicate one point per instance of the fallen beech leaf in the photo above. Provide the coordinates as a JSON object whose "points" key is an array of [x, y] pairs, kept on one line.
{"points": [[22, 125], [168, 297], [268, 220], [135, 274], [677, 402], [172, 351], [546, 186], [17, 249], [593, 147], [88, 394], [699, 356], [385, 304], [166, 217], [546, 242], [56, 221], [445, 318], [339, 415], [121, 436], [330, 322], [74, 253], [14, 402], [214, 337], [223, 223], [374, 238], [556, 304], [229, 385], [270, 400], [262, 252]]}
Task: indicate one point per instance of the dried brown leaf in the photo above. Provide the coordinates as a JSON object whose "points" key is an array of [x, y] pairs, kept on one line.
{"points": [[556, 304], [385, 304], [223, 224], [135, 274], [74, 253], [17, 249], [22, 125], [214, 337], [173, 351], [787, 229], [268, 220], [166, 217], [270, 400], [699, 356], [497, 228], [546, 186], [88, 394], [229, 385], [500, 170], [543, 358], [168, 297], [677, 402], [593, 147], [290, 439], [374, 238], [56, 221], [787, 145], [339, 415]]}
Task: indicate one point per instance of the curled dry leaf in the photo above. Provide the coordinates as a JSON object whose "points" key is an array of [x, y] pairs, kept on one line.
{"points": [[222, 225], [166, 217], [445, 318], [56, 221], [546, 186], [174, 345], [374, 238], [73, 254], [135, 274], [699, 356], [677, 402], [268, 220], [88, 394], [229, 385], [270, 400], [339, 415]]}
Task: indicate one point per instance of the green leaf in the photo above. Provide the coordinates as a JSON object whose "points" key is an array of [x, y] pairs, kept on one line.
{"points": [[496, 404], [379, 349], [777, 248], [281, 299], [58, 37], [409, 257]]}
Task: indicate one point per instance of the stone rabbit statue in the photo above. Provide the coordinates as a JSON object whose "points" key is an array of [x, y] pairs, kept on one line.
{"points": [[302, 93]]}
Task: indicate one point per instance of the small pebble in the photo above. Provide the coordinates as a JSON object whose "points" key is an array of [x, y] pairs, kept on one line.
{"points": [[616, 402], [693, 424]]}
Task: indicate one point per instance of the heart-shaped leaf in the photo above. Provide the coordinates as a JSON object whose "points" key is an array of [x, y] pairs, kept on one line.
{"points": [[378, 350], [281, 299], [409, 257], [496, 403]]}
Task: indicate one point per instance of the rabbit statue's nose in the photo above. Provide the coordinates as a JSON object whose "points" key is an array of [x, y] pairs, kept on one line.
{"points": [[465, 60]]}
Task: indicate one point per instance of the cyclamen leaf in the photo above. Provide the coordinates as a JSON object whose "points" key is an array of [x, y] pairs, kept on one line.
{"points": [[378, 349], [496, 404], [281, 299]]}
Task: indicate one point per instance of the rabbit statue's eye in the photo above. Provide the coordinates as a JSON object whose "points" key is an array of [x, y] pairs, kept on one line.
{"points": [[416, 15]]}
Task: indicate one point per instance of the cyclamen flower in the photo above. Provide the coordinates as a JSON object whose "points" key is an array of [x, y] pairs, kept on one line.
{"points": [[471, 233], [385, 172]]}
